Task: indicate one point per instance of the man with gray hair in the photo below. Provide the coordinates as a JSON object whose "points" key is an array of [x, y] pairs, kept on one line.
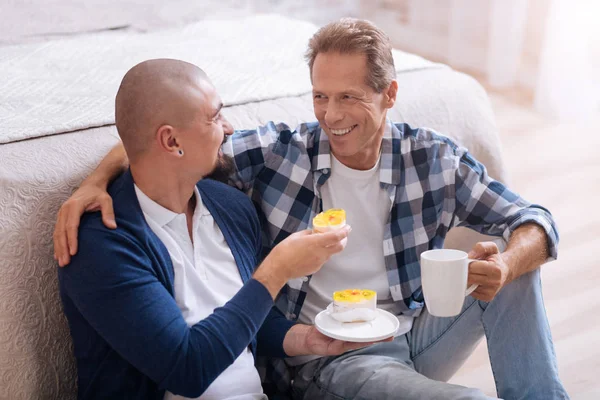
{"points": [[403, 189]]}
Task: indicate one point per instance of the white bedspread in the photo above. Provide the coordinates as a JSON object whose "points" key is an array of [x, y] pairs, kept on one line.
{"points": [[66, 85]]}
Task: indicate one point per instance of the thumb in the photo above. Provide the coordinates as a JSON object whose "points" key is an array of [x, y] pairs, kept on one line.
{"points": [[483, 250], [108, 212]]}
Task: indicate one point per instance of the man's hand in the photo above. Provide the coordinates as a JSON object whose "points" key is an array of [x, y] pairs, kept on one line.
{"points": [[300, 254], [306, 340], [89, 197], [491, 273], [303, 253]]}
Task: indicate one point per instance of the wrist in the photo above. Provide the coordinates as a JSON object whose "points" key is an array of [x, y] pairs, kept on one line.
{"points": [[508, 259], [270, 276], [98, 182]]}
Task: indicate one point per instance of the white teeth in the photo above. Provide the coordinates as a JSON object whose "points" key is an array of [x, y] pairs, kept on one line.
{"points": [[340, 132]]}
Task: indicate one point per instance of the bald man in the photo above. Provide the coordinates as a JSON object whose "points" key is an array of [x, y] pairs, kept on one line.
{"points": [[168, 304]]}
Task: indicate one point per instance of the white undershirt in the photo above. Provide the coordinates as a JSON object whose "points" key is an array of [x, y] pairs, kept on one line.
{"points": [[206, 277], [361, 264]]}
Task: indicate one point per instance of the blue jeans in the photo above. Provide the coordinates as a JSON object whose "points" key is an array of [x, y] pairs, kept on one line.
{"points": [[418, 364]]}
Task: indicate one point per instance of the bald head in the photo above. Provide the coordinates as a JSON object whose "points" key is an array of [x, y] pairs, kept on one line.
{"points": [[156, 93]]}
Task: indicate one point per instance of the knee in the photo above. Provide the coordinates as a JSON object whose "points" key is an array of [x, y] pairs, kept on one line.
{"points": [[529, 281], [526, 287], [365, 377]]}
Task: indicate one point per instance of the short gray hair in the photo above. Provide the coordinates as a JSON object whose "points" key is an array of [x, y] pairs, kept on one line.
{"points": [[356, 36]]}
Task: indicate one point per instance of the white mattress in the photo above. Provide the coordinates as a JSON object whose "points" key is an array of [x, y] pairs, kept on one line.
{"points": [[32, 21], [67, 85], [38, 174]]}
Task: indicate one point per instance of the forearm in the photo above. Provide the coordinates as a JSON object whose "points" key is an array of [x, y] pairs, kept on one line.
{"points": [[272, 334], [270, 276], [110, 167], [527, 249]]}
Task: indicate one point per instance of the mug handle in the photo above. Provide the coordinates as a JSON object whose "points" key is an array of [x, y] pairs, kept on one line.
{"points": [[471, 288]]}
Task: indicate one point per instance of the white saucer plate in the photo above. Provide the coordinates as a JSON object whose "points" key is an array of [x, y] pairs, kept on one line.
{"points": [[382, 327]]}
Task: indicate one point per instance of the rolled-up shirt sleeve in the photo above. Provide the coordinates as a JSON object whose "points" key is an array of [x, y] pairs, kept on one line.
{"points": [[489, 207]]}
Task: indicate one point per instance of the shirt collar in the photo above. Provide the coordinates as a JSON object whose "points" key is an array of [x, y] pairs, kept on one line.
{"points": [[161, 215], [391, 156]]}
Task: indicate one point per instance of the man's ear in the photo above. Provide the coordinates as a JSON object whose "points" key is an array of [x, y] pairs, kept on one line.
{"points": [[166, 139], [390, 94]]}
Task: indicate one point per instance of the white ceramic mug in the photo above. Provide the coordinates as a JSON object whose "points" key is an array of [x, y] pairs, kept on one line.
{"points": [[444, 278]]}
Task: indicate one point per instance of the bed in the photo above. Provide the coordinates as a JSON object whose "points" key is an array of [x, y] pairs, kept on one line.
{"points": [[56, 124]]}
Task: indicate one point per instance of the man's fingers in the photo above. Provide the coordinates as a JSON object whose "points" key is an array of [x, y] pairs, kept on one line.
{"points": [[55, 236], [340, 346], [72, 212], [335, 248], [108, 212], [481, 267], [305, 232], [332, 238], [483, 250], [480, 280], [60, 240], [483, 293], [484, 273], [72, 229], [349, 346]]}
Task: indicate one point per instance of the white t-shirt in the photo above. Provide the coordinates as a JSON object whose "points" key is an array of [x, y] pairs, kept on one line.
{"points": [[361, 264], [206, 277]]}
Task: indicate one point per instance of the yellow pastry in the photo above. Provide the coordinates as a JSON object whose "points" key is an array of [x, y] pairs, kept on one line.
{"points": [[354, 305], [329, 220]]}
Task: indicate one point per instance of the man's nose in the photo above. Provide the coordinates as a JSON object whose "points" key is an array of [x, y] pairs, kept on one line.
{"points": [[333, 114], [227, 127]]}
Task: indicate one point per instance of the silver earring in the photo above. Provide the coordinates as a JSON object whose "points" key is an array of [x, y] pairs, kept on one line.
{"points": [[180, 152]]}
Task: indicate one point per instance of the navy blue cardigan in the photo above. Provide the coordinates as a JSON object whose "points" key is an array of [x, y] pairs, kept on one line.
{"points": [[130, 339]]}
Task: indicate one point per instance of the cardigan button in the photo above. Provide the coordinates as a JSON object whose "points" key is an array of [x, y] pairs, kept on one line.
{"points": [[304, 279]]}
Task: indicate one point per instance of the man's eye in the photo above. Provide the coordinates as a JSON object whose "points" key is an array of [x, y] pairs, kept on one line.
{"points": [[319, 96]]}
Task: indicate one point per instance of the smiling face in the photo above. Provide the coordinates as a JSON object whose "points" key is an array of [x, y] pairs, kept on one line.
{"points": [[351, 113]]}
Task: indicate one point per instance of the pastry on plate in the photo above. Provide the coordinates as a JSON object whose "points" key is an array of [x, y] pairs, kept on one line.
{"points": [[354, 305]]}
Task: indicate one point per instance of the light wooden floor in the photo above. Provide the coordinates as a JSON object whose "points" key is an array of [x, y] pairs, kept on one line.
{"points": [[558, 166]]}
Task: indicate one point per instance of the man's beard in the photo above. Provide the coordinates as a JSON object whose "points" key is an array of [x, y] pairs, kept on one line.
{"points": [[223, 170]]}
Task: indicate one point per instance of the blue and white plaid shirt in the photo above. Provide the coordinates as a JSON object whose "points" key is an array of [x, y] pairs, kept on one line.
{"points": [[433, 185]]}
